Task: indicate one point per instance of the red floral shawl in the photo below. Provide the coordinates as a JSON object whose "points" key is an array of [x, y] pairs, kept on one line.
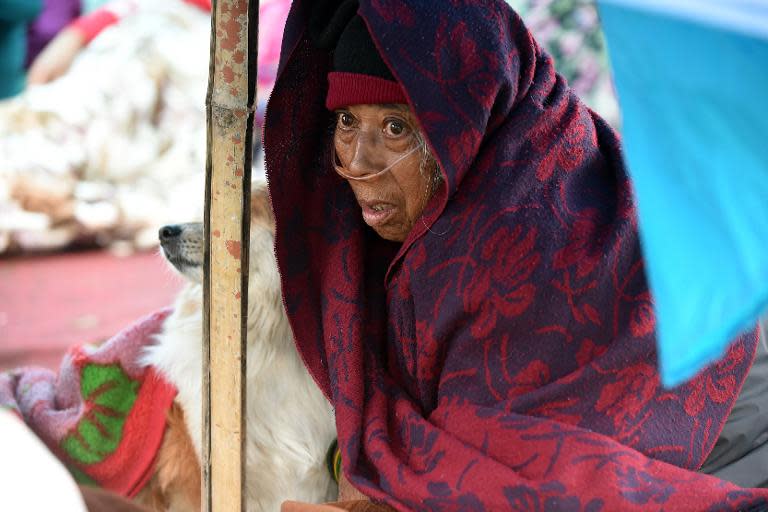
{"points": [[502, 357]]}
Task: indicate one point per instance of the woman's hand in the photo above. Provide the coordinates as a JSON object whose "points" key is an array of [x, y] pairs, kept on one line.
{"points": [[339, 506], [347, 492], [56, 57], [350, 500]]}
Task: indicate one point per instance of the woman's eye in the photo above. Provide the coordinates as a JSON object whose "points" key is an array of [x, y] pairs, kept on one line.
{"points": [[395, 128], [344, 119]]}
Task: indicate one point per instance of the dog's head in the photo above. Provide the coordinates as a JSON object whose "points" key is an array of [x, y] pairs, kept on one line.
{"points": [[183, 245]]}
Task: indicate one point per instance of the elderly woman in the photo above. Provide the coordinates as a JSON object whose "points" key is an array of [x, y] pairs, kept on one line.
{"points": [[460, 264]]}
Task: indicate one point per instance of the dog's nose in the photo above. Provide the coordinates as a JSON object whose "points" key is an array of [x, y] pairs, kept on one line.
{"points": [[169, 232]]}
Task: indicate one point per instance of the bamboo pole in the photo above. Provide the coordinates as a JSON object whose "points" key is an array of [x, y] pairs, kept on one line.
{"points": [[229, 108]]}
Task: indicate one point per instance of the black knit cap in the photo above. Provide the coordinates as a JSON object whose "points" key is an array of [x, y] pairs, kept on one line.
{"points": [[336, 26], [359, 74]]}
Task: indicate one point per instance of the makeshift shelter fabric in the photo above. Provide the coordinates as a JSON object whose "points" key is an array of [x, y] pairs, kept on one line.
{"points": [[104, 413], [502, 357], [692, 78]]}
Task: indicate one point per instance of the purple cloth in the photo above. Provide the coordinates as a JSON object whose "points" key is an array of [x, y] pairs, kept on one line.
{"points": [[56, 15]]}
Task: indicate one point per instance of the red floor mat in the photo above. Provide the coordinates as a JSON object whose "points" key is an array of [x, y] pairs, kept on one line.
{"points": [[48, 303]]}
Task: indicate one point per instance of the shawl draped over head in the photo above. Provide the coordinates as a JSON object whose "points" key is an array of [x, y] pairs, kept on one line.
{"points": [[502, 357]]}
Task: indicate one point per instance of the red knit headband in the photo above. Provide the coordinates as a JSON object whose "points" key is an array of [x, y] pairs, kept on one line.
{"points": [[355, 89]]}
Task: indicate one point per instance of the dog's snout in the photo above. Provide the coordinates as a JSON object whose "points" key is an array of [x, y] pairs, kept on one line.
{"points": [[169, 232], [182, 245]]}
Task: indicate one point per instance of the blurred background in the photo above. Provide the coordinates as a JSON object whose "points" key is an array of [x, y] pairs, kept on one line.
{"points": [[102, 142]]}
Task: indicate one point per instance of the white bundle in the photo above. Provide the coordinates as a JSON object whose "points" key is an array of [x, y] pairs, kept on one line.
{"points": [[115, 148]]}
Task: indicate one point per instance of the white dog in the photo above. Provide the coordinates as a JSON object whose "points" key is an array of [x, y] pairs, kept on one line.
{"points": [[289, 423]]}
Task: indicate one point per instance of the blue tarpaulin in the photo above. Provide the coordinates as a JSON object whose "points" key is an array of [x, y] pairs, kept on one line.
{"points": [[692, 80]]}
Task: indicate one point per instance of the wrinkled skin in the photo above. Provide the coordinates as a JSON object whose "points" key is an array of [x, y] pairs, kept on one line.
{"points": [[371, 138]]}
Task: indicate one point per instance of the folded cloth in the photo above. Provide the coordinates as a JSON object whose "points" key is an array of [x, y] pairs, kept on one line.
{"points": [[104, 414], [695, 114]]}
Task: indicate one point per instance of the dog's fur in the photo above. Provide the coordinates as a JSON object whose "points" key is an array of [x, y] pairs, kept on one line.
{"points": [[289, 424]]}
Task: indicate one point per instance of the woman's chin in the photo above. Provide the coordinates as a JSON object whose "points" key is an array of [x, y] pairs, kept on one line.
{"points": [[391, 233]]}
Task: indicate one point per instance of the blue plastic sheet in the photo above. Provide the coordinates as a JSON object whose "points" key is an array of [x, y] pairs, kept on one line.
{"points": [[693, 89]]}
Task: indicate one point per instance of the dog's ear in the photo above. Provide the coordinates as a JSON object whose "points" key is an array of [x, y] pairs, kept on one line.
{"points": [[261, 206]]}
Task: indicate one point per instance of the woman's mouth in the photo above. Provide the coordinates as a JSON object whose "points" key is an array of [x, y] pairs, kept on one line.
{"points": [[376, 213]]}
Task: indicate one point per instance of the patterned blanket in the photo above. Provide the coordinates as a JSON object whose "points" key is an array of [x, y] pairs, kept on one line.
{"points": [[104, 413]]}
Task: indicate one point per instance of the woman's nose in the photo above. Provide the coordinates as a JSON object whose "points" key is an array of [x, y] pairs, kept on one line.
{"points": [[367, 157]]}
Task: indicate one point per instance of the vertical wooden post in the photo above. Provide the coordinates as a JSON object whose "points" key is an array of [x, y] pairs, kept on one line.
{"points": [[230, 113]]}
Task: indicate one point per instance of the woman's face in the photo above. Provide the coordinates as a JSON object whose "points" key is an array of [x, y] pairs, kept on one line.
{"points": [[370, 139]]}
